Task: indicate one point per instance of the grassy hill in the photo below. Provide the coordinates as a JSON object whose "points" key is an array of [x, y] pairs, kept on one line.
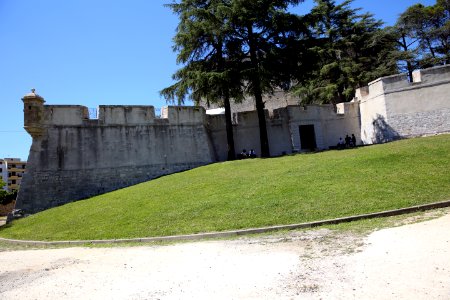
{"points": [[257, 192]]}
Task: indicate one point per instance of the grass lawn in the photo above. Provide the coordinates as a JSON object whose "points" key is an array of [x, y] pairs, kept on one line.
{"points": [[257, 192]]}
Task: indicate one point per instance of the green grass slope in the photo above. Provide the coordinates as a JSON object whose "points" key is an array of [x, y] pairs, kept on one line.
{"points": [[257, 192]]}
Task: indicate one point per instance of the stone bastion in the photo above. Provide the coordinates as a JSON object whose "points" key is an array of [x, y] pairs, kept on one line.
{"points": [[73, 156]]}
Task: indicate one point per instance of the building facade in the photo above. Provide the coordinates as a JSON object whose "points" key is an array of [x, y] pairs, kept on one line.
{"points": [[11, 172]]}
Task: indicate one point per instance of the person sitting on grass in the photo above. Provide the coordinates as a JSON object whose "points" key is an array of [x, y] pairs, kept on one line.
{"points": [[347, 141], [340, 144], [243, 154]]}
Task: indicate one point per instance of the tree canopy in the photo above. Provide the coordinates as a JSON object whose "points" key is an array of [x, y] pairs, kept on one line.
{"points": [[203, 44], [423, 36], [347, 49], [230, 48]]}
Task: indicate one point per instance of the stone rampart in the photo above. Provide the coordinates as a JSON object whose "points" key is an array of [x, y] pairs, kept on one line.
{"points": [[74, 157], [391, 107], [277, 99], [283, 128], [330, 123]]}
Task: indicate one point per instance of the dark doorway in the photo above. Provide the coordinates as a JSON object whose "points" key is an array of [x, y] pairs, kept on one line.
{"points": [[307, 137]]}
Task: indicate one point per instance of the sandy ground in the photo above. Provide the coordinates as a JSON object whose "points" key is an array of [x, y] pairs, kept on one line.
{"points": [[407, 262]]}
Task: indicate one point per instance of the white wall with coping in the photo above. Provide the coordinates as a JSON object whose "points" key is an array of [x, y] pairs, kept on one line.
{"points": [[64, 114], [330, 123], [121, 115], [277, 99], [371, 110], [283, 128], [432, 75], [130, 114], [185, 114], [391, 107]]}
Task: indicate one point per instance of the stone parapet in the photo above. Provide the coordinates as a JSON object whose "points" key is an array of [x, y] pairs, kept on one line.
{"points": [[125, 115], [39, 116], [432, 75], [187, 115], [395, 108], [399, 83]]}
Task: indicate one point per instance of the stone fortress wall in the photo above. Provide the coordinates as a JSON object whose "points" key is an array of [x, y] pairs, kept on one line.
{"points": [[73, 157], [283, 128], [392, 108], [278, 99]]}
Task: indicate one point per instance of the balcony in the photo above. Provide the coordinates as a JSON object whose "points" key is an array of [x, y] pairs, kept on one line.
{"points": [[13, 187], [16, 169]]}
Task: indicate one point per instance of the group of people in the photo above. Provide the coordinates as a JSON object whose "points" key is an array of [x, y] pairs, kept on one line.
{"points": [[244, 154], [348, 142]]}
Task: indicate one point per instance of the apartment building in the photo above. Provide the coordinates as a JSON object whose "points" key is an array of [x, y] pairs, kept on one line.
{"points": [[11, 172]]}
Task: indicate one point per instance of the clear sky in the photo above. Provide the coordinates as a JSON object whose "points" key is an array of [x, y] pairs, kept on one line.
{"points": [[95, 52]]}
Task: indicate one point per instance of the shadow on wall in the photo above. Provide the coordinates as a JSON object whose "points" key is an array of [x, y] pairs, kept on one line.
{"points": [[383, 132]]}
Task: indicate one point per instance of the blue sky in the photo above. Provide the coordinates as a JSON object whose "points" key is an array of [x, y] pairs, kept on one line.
{"points": [[95, 52]]}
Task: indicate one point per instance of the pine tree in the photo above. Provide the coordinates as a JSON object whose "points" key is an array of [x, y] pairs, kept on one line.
{"points": [[208, 72], [259, 30], [230, 48], [348, 50], [430, 25]]}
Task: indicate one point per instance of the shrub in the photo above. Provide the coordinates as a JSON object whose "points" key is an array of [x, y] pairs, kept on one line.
{"points": [[7, 198]]}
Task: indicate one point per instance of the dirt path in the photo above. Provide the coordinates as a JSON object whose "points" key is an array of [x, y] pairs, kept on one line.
{"points": [[408, 262]]}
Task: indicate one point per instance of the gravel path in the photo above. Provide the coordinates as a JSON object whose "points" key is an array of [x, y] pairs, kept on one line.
{"points": [[407, 262]]}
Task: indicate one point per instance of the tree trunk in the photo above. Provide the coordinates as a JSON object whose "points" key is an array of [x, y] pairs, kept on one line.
{"points": [[263, 138], [229, 127], [408, 63], [430, 47], [257, 93], [231, 153]]}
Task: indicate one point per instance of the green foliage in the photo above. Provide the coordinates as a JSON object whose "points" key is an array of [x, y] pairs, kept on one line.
{"points": [[346, 50], [423, 36], [7, 197], [230, 48], [3, 193], [233, 48], [204, 45], [258, 192]]}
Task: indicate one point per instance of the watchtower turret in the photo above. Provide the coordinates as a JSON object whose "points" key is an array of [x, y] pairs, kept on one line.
{"points": [[33, 113]]}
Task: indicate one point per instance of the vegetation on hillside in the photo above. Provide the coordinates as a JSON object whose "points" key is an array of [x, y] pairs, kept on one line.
{"points": [[5, 196], [256, 192]]}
